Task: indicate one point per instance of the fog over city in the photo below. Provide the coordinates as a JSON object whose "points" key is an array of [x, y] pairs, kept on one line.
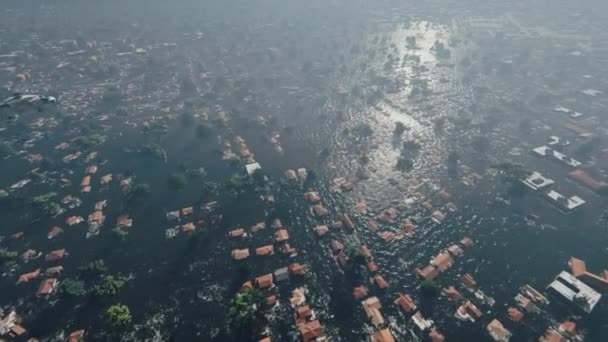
{"points": [[304, 170]]}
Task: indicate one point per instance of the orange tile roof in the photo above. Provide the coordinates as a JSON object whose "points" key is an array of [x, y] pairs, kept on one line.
{"points": [[264, 281], [237, 232], [281, 235], [296, 268], [405, 302], [54, 232], [360, 292], [76, 336], [468, 280], [55, 255], [514, 314], [265, 250], [436, 336], [383, 335], [24, 278], [240, 254], [379, 280], [428, 272], [311, 330], [47, 287]]}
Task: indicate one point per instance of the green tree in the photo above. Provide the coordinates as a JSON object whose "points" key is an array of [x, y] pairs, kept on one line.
{"points": [[7, 255], [140, 191], [109, 286], [245, 312], [72, 287], [120, 234], [176, 182], [429, 288], [118, 315], [93, 268]]}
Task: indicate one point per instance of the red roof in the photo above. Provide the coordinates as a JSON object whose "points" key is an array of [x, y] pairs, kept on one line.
{"points": [[76, 336], [47, 287]]}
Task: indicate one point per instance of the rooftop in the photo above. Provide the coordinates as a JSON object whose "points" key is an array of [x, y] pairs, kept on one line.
{"points": [[575, 291]]}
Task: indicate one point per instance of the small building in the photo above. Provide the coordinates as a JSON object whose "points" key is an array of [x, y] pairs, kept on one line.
{"points": [[429, 272], [319, 210], [442, 261], [297, 269], [405, 302], [240, 254], [281, 235], [187, 211], [77, 336], [536, 181], [47, 287], [54, 232], [172, 215], [514, 314], [468, 312], [566, 204], [468, 280], [55, 255], [257, 227], [237, 232], [321, 230], [311, 331], [53, 271], [281, 274], [452, 293], [336, 246], [73, 220], [26, 277], [380, 282], [579, 270], [467, 242], [265, 250], [421, 322], [455, 250], [437, 216], [291, 174], [188, 227], [312, 197], [585, 179], [436, 336], [383, 335], [360, 292], [303, 314], [372, 308], [498, 331], [548, 152], [264, 281], [348, 223]]}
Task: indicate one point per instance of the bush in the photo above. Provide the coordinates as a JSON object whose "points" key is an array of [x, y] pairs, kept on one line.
{"points": [[109, 286], [176, 182], [72, 287], [118, 315], [96, 267]]}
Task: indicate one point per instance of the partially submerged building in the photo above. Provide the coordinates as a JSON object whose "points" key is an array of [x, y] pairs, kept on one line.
{"points": [[575, 291]]}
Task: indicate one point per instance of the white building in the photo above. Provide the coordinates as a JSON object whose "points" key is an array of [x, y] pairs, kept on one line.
{"points": [[575, 291], [537, 181], [564, 203], [546, 151]]}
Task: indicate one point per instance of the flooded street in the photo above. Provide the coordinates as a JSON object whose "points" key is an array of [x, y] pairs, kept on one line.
{"points": [[385, 136]]}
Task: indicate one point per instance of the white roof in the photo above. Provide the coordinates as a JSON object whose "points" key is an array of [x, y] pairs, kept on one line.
{"points": [[537, 181], [421, 322], [568, 203], [252, 167], [546, 151], [570, 288]]}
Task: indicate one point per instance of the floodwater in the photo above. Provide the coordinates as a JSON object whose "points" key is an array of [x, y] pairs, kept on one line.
{"points": [[181, 286]]}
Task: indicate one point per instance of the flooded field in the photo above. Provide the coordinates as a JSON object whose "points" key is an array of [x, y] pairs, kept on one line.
{"points": [[399, 117]]}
